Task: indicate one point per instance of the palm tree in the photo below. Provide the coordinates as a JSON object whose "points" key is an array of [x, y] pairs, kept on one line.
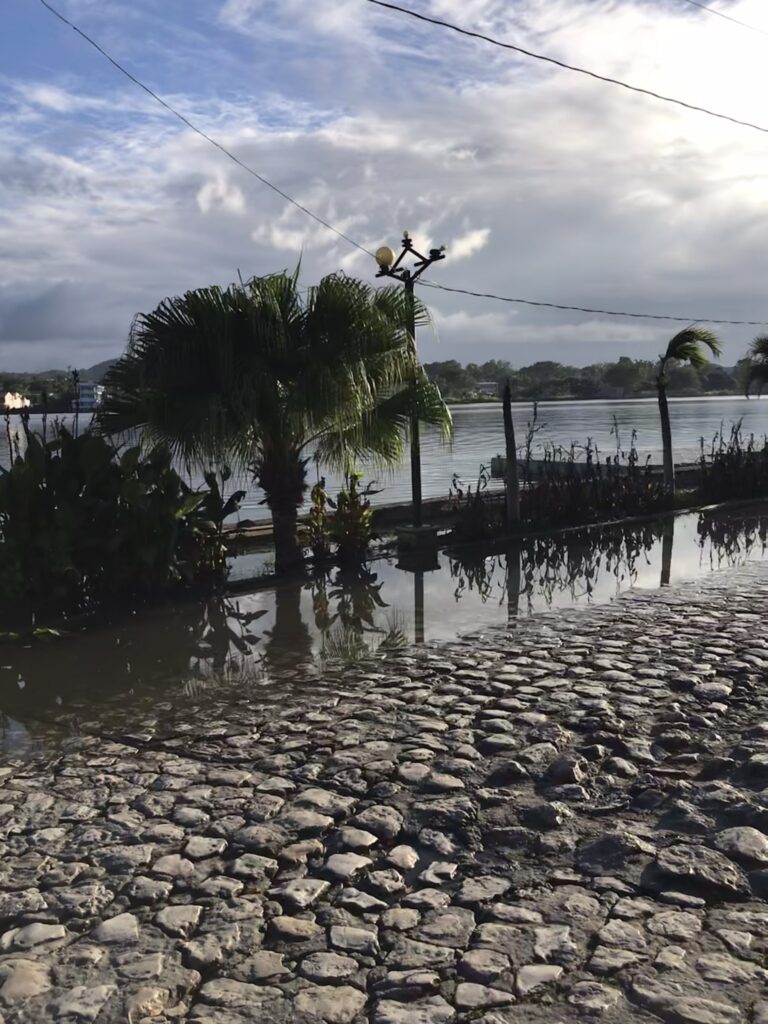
{"points": [[686, 347], [756, 369], [265, 377]]}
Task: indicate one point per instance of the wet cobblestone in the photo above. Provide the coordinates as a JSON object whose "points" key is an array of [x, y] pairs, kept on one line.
{"points": [[565, 822]]}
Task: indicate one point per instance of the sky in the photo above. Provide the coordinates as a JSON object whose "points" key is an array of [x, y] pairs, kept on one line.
{"points": [[542, 184]]}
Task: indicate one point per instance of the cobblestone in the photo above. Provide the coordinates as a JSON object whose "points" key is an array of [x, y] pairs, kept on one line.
{"points": [[564, 822]]}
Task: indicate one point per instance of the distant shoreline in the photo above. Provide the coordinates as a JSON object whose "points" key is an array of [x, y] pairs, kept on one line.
{"points": [[632, 398]]}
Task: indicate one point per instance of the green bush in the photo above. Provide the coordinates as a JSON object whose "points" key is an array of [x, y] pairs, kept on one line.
{"points": [[352, 524], [83, 522]]}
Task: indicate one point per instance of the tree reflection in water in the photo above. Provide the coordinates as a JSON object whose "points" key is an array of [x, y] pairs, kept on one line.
{"points": [[345, 604], [536, 568], [224, 645], [267, 644], [730, 540]]}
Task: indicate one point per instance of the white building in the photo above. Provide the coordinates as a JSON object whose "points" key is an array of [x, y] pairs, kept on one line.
{"points": [[89, 397]]}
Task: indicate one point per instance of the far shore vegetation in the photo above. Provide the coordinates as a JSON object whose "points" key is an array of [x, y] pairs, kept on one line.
{"points": [[475, 382], [551, 381]]}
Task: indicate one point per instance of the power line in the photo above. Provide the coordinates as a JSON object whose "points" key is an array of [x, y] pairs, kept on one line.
{"points": [[567, 67], [526, 302], [200, 132], [587, 309], [728, 17]]}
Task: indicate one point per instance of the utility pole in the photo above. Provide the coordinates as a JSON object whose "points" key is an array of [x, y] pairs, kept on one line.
{"points": [[390, 265], [511, 476]]}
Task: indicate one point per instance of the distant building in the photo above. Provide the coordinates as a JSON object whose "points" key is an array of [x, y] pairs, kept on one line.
{"points": [[487, 387], [89, 397]]}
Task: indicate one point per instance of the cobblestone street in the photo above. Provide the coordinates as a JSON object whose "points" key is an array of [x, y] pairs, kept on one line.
{"points": [[566, 822]]}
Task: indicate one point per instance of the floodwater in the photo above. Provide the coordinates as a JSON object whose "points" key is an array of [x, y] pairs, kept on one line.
{"points": [[166, 668], [479, 435]]}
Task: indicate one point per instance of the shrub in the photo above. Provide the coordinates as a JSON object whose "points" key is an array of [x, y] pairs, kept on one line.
{"points": [[734, 466], [82, 523], [352, 524]]}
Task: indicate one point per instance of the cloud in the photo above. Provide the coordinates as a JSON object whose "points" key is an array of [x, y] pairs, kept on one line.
{"points": [[220, 193], [469, 243], [543, 185], [59, 100]]}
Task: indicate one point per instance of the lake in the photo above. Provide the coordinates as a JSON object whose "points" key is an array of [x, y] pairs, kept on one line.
{"points": [[479, 435]]}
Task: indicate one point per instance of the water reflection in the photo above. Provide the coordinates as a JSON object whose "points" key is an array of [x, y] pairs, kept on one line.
{"points": [[667, 549], [732, 540], [347, 606], [173, 664], [566, 569]]}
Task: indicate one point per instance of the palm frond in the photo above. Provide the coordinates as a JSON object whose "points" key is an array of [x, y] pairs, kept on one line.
{"points": [[688, 347], [253, 373], [756, 368], [378, 434]]}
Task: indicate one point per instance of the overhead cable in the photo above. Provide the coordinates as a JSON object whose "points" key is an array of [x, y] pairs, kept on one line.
{"points": [[199, 131], [602, 312], [341, 234], [568, 67], [728, 17]]}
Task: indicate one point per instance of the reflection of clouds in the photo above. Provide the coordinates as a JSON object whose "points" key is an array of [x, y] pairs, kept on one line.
{"points": [[16, 738], [267, 645]]}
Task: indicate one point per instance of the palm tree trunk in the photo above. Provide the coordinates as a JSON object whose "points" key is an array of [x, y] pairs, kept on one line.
{"points": [[283, 478], [666, 439], [285, 530]]}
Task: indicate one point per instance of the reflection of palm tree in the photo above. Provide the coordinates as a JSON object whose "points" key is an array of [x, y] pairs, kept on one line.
{"points": [[290, 644], [667, 543], [343, 643]]}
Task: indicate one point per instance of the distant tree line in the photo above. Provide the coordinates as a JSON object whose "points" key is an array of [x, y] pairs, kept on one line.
{"points": [[548, 380], [52, 390]]}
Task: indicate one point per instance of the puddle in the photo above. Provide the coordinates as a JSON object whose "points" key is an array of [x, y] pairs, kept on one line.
{"points": [[168, 665]]}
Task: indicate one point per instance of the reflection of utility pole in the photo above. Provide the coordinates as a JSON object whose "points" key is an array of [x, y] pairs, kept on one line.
{"points": [[514, 558], [667, 543], [418, 561], [418, 607]]}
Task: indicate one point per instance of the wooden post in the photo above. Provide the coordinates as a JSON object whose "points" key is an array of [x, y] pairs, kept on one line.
{"points": [[511, 477]]}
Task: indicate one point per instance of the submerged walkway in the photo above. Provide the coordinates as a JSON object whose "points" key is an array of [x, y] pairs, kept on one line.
{"points": [[565, 823]]}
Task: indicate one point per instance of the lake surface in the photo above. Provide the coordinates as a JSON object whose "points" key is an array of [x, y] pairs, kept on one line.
{"points": [[479, 435], [174, 664]]}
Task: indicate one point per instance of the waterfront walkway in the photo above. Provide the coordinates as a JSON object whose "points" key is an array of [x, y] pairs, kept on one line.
{"points": [[564, 823]]}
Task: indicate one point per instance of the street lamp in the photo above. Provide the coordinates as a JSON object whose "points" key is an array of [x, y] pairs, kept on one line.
{"points": [[392, 265]]}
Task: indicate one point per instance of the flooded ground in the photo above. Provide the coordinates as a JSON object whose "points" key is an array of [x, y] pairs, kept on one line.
{"points": [[175, 663]]}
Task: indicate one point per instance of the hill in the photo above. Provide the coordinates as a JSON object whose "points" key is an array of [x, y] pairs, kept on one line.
{"points": [[98, 372]]}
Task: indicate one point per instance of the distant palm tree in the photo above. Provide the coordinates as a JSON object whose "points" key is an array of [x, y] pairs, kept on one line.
{"points": [[686, 347], [756, 369], [265, 377]]}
